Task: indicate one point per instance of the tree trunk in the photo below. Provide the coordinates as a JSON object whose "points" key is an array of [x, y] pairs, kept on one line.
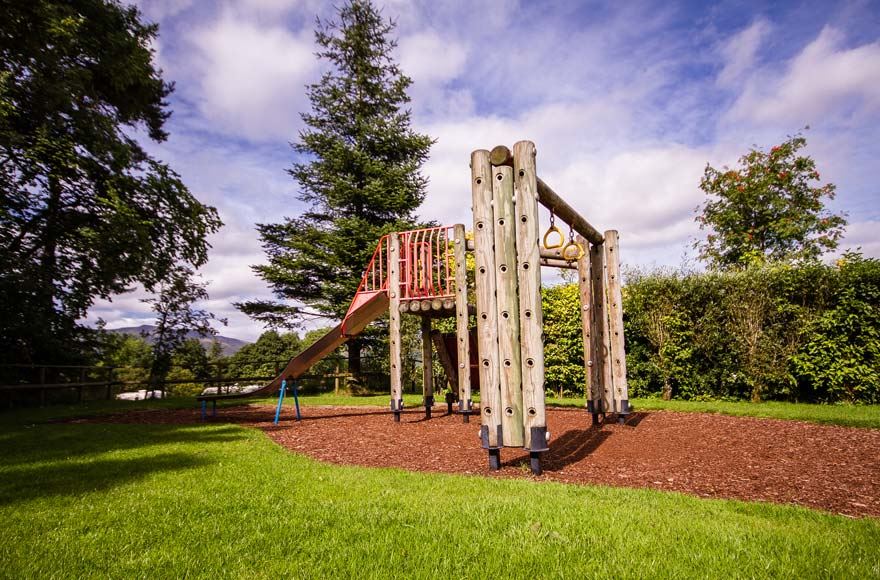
{"points": [[49, 254]]}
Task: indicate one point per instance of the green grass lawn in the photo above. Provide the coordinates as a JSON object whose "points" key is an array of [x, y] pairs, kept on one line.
{"points": [[95, 500]]}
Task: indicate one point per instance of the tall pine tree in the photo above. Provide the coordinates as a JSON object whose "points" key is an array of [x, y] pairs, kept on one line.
{"points": [[361, 176]]}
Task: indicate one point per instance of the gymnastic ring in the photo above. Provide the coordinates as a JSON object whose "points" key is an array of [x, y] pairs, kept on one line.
{"points": [[567, 251], [551, 230]]}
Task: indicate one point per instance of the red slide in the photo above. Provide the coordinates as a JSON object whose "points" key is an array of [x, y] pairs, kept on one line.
{"points": [[365, 310]]}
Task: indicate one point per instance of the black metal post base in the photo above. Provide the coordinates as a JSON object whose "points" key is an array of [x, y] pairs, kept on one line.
{"points": [[495, 459], [450, 399], [465, 408], [595, 419], [429, 404], [396, 408], [535, 462], [623, 411]]}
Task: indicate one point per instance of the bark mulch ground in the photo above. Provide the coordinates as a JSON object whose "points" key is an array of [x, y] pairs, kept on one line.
{"points": [[819, 466]]}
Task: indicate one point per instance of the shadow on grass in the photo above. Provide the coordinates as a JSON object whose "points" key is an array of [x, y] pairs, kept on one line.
{"points": [[49, 443], [73, 478]]}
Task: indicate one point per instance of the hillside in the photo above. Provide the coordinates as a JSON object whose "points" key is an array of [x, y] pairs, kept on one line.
{"points": [[228, 344]]}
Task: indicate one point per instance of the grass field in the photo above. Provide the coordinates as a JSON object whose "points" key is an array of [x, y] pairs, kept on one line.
{"points": [[88, 500]]}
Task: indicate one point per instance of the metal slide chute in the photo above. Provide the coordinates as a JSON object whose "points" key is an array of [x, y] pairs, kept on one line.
{"points": [[361, 314]]}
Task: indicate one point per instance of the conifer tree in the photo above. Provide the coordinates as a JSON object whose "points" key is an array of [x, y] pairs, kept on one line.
{"points": [[359, 174]]}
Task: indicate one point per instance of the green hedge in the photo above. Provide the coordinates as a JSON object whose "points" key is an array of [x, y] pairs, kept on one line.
{"points": [[807, 333]]}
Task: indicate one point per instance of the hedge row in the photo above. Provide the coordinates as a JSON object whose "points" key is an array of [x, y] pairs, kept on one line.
{"points": [[807, 333]]}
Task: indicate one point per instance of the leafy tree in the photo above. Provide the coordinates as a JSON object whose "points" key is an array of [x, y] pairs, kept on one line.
{"points": [[85, 212], [131, 355], [176, 318], [259, 359], [769, 209], [360, 177]]}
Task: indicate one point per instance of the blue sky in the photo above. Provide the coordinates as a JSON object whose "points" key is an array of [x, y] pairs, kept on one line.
{"points": [[626, 102]]}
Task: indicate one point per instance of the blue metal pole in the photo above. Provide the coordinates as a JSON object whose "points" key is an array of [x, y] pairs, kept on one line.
{"points": [[296, 400], [280, 399], [204, 410]]}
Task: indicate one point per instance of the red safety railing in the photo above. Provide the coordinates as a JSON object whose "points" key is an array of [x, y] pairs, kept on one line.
{"points": [[426, 266]]}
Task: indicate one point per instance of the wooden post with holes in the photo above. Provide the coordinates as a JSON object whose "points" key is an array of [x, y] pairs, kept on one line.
{"points": [[620, 391], [507, 304], [531, 317], [487, 329], [427, 367], [601, 369], [462, 338], [593, 393], [394, 324]]}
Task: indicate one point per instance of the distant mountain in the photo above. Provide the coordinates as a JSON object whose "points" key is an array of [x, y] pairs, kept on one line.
{"points": [[229, 345]]}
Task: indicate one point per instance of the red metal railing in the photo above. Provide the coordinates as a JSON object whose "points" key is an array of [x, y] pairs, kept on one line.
{"points": [[426, 266]]}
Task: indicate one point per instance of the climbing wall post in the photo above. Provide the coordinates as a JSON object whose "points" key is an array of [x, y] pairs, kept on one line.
{"points": [[487, 329], [507, 317], [601, 369], [394, 324], [615, 326], [531, 317], [593, 393], [462, 336]]}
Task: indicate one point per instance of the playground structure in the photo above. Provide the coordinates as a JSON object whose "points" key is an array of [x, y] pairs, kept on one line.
{"points": [[424, 273]]}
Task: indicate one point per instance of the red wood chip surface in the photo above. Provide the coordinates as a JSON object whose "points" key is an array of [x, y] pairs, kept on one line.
{"points": [[819, 466]]}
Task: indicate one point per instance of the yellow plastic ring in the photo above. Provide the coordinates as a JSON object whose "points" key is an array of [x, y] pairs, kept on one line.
{"points": [[567, 251], [551, 230]]}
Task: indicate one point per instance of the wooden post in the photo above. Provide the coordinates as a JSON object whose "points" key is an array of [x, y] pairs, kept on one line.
{"points": [[601, 369], [487, 329], [507, 307], [463, 342], [531, 317], [592, 391], [394, 324], [615, 324], [427, 367], [445, 359]]}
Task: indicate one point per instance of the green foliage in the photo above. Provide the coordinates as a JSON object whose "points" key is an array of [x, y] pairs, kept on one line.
{"points": [[177, 316], [563, 341], [131, 355], [362, 176], [769, 209], [805, 333], [793, 333], [85, 212], [839, 354], [261, 359]]}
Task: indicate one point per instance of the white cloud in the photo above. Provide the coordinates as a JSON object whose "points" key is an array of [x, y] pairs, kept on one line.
{"points": [[739, 52], [430, 59], [251, 78], [823, 79], [158, 10], [862, 236]]}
